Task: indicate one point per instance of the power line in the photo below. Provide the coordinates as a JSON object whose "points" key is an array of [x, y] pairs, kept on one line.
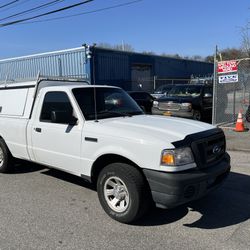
{"points": [[84, 13], [32, 9], [7, 4], [14, 5], [45, 14]]}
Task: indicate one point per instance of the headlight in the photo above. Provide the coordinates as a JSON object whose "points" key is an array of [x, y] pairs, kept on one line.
{"points": [[186, 105], [155, 104], [177, 157]]}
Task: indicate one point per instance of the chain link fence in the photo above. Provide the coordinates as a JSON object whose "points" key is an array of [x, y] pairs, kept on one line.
{"points": [[153, 84], [231, 93]]}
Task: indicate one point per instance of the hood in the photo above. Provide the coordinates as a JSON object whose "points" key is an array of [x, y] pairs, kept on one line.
{"points": [[150, 128]]}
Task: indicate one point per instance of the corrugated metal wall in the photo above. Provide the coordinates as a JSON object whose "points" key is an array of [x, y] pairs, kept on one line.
{"points": [[179, 68], [59, 63], [110, 68], [116, 67]]}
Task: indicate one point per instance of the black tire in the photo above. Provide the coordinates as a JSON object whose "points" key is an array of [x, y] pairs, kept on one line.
{"points": [[197, 115], [133, 185], [248, 114], [6, 159]]}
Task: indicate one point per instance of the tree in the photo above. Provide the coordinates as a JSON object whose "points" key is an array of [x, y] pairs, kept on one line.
{"points": [[245, 41], [122, 47], [148, 53], [231, 54], [227, 54], [172, 55], [209, 59], [197, 58]]}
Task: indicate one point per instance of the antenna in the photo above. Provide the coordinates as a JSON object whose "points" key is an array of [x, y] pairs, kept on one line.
{"points": [[96, 120], [92, 56]]}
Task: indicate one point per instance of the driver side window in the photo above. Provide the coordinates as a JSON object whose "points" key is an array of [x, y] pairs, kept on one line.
{"points": [[55, 101]]}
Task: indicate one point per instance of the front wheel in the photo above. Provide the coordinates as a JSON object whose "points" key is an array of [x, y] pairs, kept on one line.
{"points": [[123, 192], [197, 115]]}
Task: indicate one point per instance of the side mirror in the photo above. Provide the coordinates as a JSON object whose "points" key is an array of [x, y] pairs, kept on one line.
{"points": [[208, 95], [63, 117], [73, 121]]}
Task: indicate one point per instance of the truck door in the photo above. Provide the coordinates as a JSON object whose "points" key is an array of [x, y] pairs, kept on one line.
{"points": [[54, 141]]}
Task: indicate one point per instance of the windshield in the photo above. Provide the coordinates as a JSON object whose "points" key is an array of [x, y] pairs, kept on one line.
{"points": [[186, 90], [110, 102], [163, 89]]}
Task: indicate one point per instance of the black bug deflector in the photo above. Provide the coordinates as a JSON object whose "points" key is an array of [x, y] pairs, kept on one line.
{"points": [[208, 147]]}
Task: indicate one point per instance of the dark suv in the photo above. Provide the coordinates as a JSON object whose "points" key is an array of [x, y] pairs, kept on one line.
{"points": [[186, 100]]}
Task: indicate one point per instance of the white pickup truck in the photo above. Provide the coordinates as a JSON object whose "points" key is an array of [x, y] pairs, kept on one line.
{"points": [[100, 134]]}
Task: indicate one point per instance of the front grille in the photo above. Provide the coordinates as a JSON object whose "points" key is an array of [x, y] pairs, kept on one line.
{"points": [[210, 150], [169, 106]]}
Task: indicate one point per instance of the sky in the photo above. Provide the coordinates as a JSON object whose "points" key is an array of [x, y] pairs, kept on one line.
{"points": [[184, 27]]}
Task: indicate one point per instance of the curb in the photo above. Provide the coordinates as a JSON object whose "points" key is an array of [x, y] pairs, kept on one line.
{"points": [[238, 149]]}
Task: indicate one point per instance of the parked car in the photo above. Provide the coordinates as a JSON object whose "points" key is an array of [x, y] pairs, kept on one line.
{"points": [[143, 99], [186, 100], [100, 134], [162, 90]]}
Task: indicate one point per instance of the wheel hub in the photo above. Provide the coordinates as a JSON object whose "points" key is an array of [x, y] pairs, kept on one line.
{"points": [[1, 157], [119, 192], [116, 194]]}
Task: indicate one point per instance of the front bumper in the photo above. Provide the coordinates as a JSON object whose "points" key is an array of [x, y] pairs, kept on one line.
{"points": [[173, 189], [177, 113]]}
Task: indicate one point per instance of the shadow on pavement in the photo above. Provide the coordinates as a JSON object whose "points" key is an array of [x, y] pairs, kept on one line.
{"points": [[68, 178], [23, 167], [229, 205]]}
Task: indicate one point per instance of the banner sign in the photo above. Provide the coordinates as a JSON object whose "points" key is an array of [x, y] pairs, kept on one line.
{"points": [[228, 78], [227, 67]]}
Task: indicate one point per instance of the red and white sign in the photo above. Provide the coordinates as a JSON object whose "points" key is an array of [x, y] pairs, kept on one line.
{"points": [[227, 67]]}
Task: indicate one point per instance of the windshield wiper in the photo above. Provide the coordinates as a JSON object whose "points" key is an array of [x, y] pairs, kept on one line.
{"points": [[136, 113], [114, 112]]}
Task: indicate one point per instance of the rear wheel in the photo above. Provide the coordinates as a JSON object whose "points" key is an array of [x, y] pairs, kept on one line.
{"points": [[5, 158], [123, 192]]}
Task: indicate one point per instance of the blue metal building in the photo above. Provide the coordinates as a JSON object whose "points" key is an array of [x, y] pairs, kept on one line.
{"points": [[126, 69], [102, 66]]}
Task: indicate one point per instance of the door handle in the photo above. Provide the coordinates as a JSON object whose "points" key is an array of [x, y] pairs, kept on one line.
{"points": [[39, 130]]}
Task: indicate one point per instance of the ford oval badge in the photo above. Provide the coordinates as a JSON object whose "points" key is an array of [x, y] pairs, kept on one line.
{"points": [[216, 149]]}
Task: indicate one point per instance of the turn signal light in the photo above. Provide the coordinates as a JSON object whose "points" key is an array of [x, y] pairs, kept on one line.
{"points": [[168, 159]]}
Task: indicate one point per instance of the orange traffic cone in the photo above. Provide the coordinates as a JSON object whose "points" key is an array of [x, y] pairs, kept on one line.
{"points": [[239, 124]]}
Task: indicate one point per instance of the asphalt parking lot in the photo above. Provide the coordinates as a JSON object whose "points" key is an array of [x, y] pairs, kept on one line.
{"points": [[49, 209]]}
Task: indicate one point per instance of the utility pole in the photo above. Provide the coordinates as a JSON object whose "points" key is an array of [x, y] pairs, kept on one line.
{"points": [[215, 86]]}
